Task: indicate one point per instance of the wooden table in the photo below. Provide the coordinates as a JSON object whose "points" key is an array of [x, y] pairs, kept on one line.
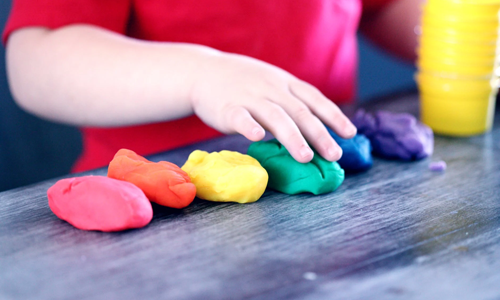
{"points": [[398, 231]]}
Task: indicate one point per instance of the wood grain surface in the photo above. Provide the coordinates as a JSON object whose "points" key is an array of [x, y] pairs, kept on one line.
{"points": [[398, 231]]}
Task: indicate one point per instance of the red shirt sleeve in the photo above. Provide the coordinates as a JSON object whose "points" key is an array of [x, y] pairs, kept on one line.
{"points": [[109, 14], [372, 6]]}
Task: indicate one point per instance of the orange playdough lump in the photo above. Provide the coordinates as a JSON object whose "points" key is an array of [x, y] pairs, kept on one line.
{"points": [[162, 182]]}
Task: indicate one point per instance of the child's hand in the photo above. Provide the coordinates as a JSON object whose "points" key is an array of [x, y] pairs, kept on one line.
{"points": [[235, 93]]}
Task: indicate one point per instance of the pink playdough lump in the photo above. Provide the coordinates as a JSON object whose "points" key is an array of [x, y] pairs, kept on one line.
{"points": [[100, 203]]}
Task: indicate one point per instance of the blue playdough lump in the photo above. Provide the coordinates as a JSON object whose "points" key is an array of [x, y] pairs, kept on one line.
{"points": [[357, 152]]}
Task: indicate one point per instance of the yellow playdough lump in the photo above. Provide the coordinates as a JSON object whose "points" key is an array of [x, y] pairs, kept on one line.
{"points": [[226, 176]]}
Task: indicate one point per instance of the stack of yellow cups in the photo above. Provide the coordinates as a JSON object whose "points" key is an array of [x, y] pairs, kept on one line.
{"points": [[458, 56]]}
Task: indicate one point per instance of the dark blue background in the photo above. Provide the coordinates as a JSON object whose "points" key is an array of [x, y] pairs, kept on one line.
{"points": [[32, 149]]}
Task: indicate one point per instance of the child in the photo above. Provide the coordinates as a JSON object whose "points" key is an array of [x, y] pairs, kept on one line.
{"points": [[148, 75]]}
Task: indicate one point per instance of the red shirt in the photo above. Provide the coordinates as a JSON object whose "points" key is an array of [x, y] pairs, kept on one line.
{"points": [[313, 39]]}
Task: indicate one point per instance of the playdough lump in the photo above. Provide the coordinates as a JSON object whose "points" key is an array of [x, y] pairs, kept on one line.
{"points": [[99, 203], [162, 182], [288, 176], [395, 135], [356, 152], [437, 166], [226, 176]]}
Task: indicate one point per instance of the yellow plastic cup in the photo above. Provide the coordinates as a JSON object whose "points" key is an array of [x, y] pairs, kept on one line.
{"points": [[463, 9], [478, 39], [457, 116], [477, 1], [430, 19], [456, 51], [464, 2], [456, 86], [455, 57], [459, 38], [454, 46], [459, 17], [435, 66], [462, 37], [467, 27], [460, 59]]}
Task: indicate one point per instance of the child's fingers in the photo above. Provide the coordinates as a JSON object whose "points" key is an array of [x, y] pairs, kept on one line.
{"points": [[240, 120], [310, 126], [274, 118], [324, 108], [318, 137]]}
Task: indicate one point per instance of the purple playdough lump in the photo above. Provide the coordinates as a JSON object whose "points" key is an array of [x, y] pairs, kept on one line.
{"points": [[395, 135], [437, 166]]}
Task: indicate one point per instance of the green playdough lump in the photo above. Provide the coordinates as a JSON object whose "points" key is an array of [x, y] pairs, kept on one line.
{"points": [[288, 176]]}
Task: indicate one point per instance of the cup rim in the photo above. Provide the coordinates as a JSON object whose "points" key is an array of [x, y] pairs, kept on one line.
{"points": [[456, 53], [474, 66], [465, 51], [465, 98], [441, 19], [457, 17], [455, 76], [450, 31], [440, 42], [425, 75], [448, 60], [465, 2], [459, 42], [454, 62]]}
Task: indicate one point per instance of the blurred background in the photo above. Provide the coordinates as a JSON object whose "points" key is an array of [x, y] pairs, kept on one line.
{"points": [[32, 150]]}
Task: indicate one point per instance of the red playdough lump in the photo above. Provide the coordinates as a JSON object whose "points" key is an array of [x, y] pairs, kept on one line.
{"points": [[100, 203], [162, 182]]}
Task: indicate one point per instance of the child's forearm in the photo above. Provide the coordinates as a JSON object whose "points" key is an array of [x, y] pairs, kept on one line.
{"points": [[84, 75]]}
